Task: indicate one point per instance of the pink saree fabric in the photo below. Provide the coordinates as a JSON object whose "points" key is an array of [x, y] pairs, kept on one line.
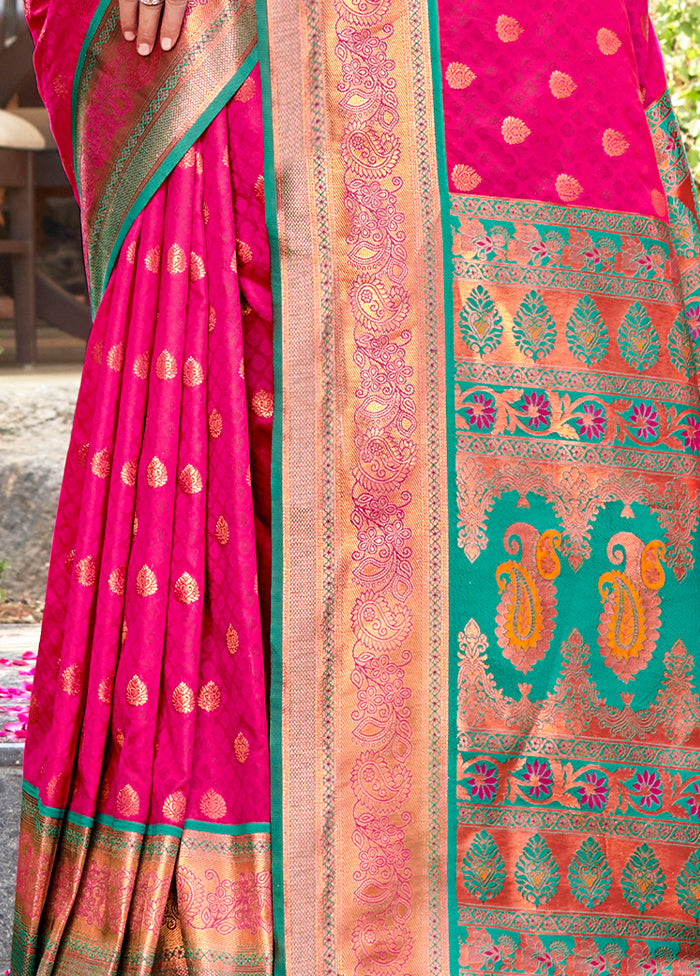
{"points": [[149, 698], [590, 146]]}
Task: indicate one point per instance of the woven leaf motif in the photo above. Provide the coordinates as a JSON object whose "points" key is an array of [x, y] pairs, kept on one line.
{"points": [[686, 239], [688, 886], [680, 347], [586, 332], [534, 328], [480, 322], [637, 338], [643, 881], [589, 874], [483, 868], [536, 872]]}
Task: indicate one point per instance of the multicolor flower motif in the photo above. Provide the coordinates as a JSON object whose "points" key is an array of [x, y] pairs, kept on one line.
{"points": [[483, 782], [594, 792], [692, 314], [536, 410], [694, 802], [647, 789], [591, 422], [690, 432], [481, 412], [645, 420], [537, 778]]}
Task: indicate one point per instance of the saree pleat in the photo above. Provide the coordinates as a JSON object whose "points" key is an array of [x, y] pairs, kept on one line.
{"points": [[147, 800]]}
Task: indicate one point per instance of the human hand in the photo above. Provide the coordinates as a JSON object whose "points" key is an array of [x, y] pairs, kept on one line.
{"points": [[140, 20]]}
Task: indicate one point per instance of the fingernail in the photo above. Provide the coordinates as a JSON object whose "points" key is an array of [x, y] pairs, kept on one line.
{"points": [[129, 36], [143, 49], [166, 43]]}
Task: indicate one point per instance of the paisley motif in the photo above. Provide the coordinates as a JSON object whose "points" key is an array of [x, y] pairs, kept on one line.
{"points": [[380, 625], [368, 153], [378, 308], [629, 623], [362, 13], [586, 332], [480, 322], [637, 338], [381, 944], [378, 787], [527, 609]]}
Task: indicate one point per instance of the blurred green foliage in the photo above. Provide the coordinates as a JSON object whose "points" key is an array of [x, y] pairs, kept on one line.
{"points": [[677, 24]]}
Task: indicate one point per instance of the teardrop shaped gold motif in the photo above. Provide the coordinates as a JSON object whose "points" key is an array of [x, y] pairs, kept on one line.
{"points": [[186, 589], [136, 692], [197, 268], [166, 366], [231, 639], [128, 801], [215, 424], [174, 806], [182, 699], [146, 582], [86, 571], [142, 364], [213, 805], [105, 689], [192, 372], [190, 480], [177, 260], [156, 473], [117, 580], [241, 747], [128, 472], [221, 533], [209, 697], [115, 357], [72, 680]]}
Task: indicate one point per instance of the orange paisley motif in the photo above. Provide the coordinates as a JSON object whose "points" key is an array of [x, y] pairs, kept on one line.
{"points": [[629, 623], [527, 609]]}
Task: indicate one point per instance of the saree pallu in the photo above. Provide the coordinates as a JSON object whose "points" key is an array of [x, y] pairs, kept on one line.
{"points": [[479, 506]]}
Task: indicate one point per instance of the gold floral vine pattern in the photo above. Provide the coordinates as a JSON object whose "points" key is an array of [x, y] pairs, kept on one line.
{"points": [[384, 428]]}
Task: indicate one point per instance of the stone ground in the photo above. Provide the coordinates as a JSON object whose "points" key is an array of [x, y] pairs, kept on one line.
{"points": [[36, 411]]}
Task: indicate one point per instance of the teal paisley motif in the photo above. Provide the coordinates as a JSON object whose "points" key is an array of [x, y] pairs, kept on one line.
{"points": [[534, 328], [589, 874], [686, 239], [586, 332], [688, 886], [680, 346], [643, 880], [536, 872], [483, 867], [637, 338], [480, 322]]}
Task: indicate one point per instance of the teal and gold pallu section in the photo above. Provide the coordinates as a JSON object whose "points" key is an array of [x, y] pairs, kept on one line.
{"points": [[485, 713]]}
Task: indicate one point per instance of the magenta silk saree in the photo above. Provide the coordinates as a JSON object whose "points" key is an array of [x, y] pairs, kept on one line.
{"points": [[372, 616]]}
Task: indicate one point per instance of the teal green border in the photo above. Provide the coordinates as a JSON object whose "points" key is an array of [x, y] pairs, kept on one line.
{"points": [[56, 813], [80, 64], [170, 161], [454, 561], [276, 606]]}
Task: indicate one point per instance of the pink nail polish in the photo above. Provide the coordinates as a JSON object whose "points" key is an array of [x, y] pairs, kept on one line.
{"points": [[143, 49], [129, 36], [166, 43]]}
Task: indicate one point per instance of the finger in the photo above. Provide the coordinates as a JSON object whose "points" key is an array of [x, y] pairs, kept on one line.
{"points": [[149, 18], [172, 22], [129, 18]]}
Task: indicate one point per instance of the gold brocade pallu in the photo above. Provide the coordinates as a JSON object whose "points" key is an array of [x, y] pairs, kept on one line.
{"points": [[483, 708]]}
